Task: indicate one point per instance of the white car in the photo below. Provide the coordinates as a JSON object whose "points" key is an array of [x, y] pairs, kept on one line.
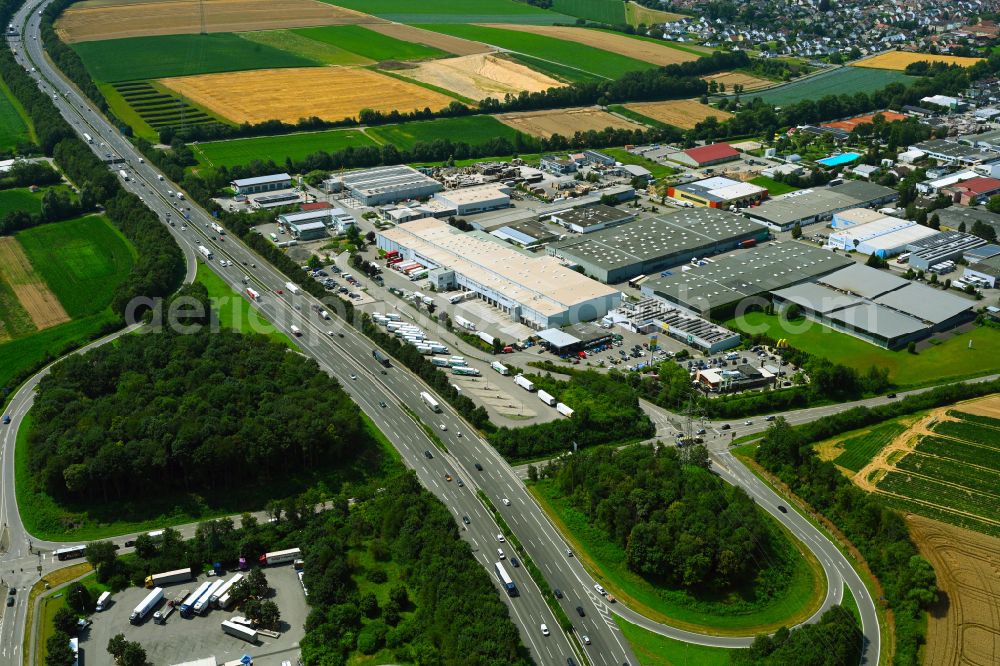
{"points": [[443, 427], [586, 639], [545, 630], [500, 538], [600, 590], [506, 502], [353, 376], [500, 553]]}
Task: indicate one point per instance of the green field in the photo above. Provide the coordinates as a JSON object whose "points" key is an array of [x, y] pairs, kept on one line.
{"points": [[20, 198], [449, 11], [13, 126], [658, 170], [611, 12], [568, 54], [843, 80], [723, 616], [860, 449], [277, 148], [235, 311], [655, 650], [470, 129], [951, 360], [138, 58], [774, 188], [288, 40], [369, 44], [82, 260]]}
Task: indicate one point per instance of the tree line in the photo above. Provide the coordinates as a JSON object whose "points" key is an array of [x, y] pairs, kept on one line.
{"points": [[679, 525], [186, 412], [836, 640]]}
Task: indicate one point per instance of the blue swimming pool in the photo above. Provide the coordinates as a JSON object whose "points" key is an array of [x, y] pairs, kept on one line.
{"points": [[837, 160]]}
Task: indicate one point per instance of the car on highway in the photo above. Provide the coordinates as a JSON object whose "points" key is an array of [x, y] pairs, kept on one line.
{"points": [[447, 477], [748, 422], [600, 590], [381, 403], [428, 455], [465, 519], [558, 593], [545, 630], [515, 562], [10, 601], [570, 661], [506, 502], [12, 591], [461, 484], [579, 611], [500, 553], [443, 427], [611, 598], [724, 426], [890, 395], [353, 376], [782, 508], [500, 538], [586, 639], [769, 418], [479, 467], [569, 553], [6, 419]]}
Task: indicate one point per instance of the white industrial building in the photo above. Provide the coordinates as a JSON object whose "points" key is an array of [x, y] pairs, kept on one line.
{"points": [[337, 220], [854, 217], [277, 181], [381, 185], [478, 199], [884, 237], [536, 291]]}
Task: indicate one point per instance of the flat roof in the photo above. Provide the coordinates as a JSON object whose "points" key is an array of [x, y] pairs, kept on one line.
{"points": [[945, 243], [881, 321], [538, 282], [681, 232], [953, 216], [863, 281], [930, 305], [557, 337], [900, 238], [467, 195], [795, 206], [721, 189], [816, 297], [261, 180], [878, 227], [307, 226], [589, 216], [859, 215], [294, 218], [745, 273], [951, 150], [386, 179]]}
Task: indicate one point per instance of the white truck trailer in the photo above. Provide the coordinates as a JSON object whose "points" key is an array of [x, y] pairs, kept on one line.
{"points": [[239, 631], [204, 603], [563, 409], [280, 557], [168, 577], [500, 367], [465, 323], [292, 287], [103, 601], [205, 252], [146, 605], [215, 225], [547, 398], [524, 383], [430, 401], [222, 591]]}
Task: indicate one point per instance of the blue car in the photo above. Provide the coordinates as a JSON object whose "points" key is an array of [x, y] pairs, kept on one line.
{"points": [[6, 419]]}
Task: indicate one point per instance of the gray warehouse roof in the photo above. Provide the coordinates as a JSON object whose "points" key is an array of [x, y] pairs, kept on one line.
{"points": [[262, 180], [387, 179], [923, 302], [817, 297], [732, 277], [881, 321], [819, 201], [589, 216], [863, 281], [678, 233], [956, 215]]}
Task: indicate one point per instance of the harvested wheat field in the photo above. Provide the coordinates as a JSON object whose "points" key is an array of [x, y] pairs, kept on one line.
{"points": [[963, 629], [436, 40], [88, 21], [330, 93], [480, 76], [682, 113], [898, 60], [640, 49], [565, 122], [34, 295], [989, 406], [731, 79]]}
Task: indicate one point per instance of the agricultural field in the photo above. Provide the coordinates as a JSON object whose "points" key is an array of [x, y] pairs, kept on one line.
{"points": [[369, 44], [310, 49], [28, 287], [471, 129], [140, 58], [94, 21], [565, 122], [611, 12], [971, 354], [20, 198], [587, 60], [842, 80], [964, 628], [145, 104], [13, 125], [857, 449], [899, 60], [730, 79], [636, 15], [655, 52], [435, 40], [449, 11], [479, 76], [277, 148], [682, 113], [331, 93]]}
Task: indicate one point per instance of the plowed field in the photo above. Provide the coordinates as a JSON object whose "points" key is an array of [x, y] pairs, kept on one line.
{"points": [[898, 60], [331, 93], [34, 295], [436, 40], [480, 76], [640, 49], [683, 113], [565, 122]]}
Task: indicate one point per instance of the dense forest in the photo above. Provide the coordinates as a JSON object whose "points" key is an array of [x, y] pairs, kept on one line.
{"points": [[835, 640], [186, 412], [680, 525], [605, 412], [880, 533]]}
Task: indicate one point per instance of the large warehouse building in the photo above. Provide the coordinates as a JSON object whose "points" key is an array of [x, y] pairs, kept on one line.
{"points": [[877, 306], [258, 184], [883, 237], [382, 185], [717, 288], [535, 291], [819, 204], [719, 192], [652, 244]]}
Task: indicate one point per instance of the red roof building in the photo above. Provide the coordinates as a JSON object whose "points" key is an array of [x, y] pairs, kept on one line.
{"points": [[716, 153], [973, 191], [318, 205]]}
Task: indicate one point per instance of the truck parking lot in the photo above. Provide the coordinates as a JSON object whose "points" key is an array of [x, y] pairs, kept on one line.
{"points": [[182, 639]]}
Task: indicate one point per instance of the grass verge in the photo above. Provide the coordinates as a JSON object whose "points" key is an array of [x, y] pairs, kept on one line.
{"points": [[49, 583], [652, 649], [234, 311]]}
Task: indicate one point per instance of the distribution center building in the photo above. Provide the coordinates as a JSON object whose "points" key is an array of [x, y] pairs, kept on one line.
{"points": [[819, 204], [719, 192], [535, 291], [477, 199], [588, 219], [884, 237], [278, 181], [653, 244], [382, 185], [718, 288]]}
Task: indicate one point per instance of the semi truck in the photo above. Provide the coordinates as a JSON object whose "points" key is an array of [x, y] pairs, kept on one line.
{"points": [[168, 577], [103, 601], [253, 294], [465, 323], [89, 138], [239, 631], [547, 398], [455, 363], [205, 251], [465, 370], [123, 173], [440, 362], [438, 348], [146, 605], [296, 331], [524, 383], [215, 225], [204, 602], [380, 358], [280, 557], [222, 591], [500, 367], [564, 410], [187, 606], [292, 287], [430, 401], [485, 337], [160, 616]]}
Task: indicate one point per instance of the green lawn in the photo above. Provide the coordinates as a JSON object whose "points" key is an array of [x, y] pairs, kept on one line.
{"points": [[449, 11], [277, 148], [82, 260], [472, 130], [14, 128], [606, 562], [948, 361], [568, 54], [839, 81], [180, 55], [289, 40], [369, 44], [20, 198], [774, 188], [850, 603], [235, 311], [652, 649], [611, 12], [658, 170]]}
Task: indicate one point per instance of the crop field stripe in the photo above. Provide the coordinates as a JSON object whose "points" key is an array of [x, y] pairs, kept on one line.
{"points": [[975, 433], [611, 12], [14, 319], [965, 452], [838, 81], [559, 71], [949, 470], [294, 146], [473, 130], [975, 418], [369, 44], [947, 498], [311, 49], [860, 450], [450, 11], [17, 126]]}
